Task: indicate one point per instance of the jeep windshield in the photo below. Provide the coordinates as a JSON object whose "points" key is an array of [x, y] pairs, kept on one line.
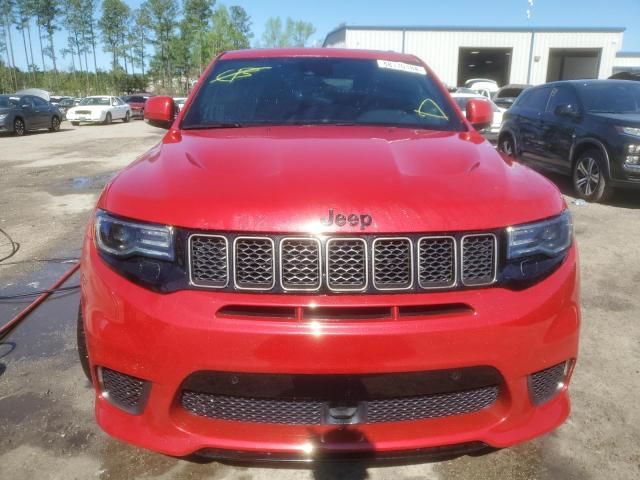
{"points": [[320, 91]]}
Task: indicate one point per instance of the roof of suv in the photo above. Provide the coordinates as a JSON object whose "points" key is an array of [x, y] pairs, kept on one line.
{"points": [[320, 52], [582, 82]]}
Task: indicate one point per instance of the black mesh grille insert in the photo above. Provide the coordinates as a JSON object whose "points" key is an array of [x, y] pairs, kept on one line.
{"points": [[254, 263], [431, 406], [478, 259], [300, 260], [544, 384], [392, 263], [311, 412], [437, 262], [123, 390], [209, 261], [346, 264], [254, 410]]}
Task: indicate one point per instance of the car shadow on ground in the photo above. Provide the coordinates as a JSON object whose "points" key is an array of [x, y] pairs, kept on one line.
{"points": [[37, 132]]}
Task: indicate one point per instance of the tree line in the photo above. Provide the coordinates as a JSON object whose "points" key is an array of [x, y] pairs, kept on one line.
{"points": [[163, 44]]}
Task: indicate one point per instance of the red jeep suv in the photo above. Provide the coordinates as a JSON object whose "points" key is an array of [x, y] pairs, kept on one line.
{"points": [[323, 258]]}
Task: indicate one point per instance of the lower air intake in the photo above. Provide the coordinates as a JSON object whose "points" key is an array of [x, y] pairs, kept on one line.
{"points": [[312, 412], [126, 392], [545, 384]]}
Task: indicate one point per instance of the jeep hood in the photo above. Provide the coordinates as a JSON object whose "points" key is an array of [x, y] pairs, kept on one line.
{"points": [[285, 179]]}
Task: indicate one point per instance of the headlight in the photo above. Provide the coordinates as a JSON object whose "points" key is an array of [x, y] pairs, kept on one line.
{"points": [[3, 116], [124, 238], [549, 237], [535, 250], [634, 132]]}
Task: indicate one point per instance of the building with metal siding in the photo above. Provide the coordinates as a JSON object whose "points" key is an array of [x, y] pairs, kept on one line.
{"points": [[627, 62], [507, 55]]}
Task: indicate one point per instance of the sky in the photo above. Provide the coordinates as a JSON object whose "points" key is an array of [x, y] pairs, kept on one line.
{"points": [[325, 15]]}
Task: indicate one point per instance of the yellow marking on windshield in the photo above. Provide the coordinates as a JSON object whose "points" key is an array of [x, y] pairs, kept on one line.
{"points": [[232, 75], [438, 114]]}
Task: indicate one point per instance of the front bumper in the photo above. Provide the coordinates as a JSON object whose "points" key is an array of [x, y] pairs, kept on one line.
{"points": [[85, 118], [166, 338]]}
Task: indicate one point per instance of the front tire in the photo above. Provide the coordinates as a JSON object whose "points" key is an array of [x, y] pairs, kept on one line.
{"points": [[508, 146], [55, 125], [18, 127], [126, 118], [589, 176], [83, 353], [107, 119]]}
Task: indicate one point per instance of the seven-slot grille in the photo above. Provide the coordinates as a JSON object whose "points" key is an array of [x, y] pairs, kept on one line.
{"points": [[342, 264]]}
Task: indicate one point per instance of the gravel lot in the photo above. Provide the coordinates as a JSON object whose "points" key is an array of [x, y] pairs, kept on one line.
{"points": [[48, 185]]}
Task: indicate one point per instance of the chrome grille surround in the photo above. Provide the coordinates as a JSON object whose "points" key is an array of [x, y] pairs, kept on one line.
{"points": [[432, 276], [254, 263], [332, 264], [342, 274], [208, 272], [475, 272], [385, 263], [305, 274]]}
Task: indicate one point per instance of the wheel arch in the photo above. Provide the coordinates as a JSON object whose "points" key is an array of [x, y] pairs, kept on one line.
{"points": [[581, 146], [508, 131]]}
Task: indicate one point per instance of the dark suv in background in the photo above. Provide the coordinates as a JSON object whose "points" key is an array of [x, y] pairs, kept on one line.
{"points": [[589, 129], [21, 113]]}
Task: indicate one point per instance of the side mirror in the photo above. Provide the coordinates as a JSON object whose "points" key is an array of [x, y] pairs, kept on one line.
{"points": [[479, 113], [160, 111], [566, 110]]}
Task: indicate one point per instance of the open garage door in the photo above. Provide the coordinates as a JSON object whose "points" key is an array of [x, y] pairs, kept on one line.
{"points": [[573, 64], [492, 63]]}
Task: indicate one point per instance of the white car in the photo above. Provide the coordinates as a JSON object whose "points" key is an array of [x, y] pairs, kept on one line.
{"points": [[492, 132], [99, 109], [179, 102], [482, 84]]}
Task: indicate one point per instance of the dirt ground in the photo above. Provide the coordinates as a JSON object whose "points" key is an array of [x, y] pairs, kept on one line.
{"points": [[48, 185]]}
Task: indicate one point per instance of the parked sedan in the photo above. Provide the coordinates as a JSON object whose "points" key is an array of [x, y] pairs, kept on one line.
{"points": [[136, 102], [22, 113], [65, 104], [490, 133], [99, 109], [507, 95]]}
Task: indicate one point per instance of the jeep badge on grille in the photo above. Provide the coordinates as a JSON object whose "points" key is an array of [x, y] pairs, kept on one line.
{"points": [[364, 220]]}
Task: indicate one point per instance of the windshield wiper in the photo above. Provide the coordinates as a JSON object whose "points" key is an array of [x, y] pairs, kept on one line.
{"points": [[206, 126]]}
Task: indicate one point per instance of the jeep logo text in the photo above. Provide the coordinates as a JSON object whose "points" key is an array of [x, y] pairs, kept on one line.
{"points": [[352, 219]]}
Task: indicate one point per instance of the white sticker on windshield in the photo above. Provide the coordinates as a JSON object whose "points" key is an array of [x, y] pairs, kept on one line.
{"points": [[403, 67]]}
